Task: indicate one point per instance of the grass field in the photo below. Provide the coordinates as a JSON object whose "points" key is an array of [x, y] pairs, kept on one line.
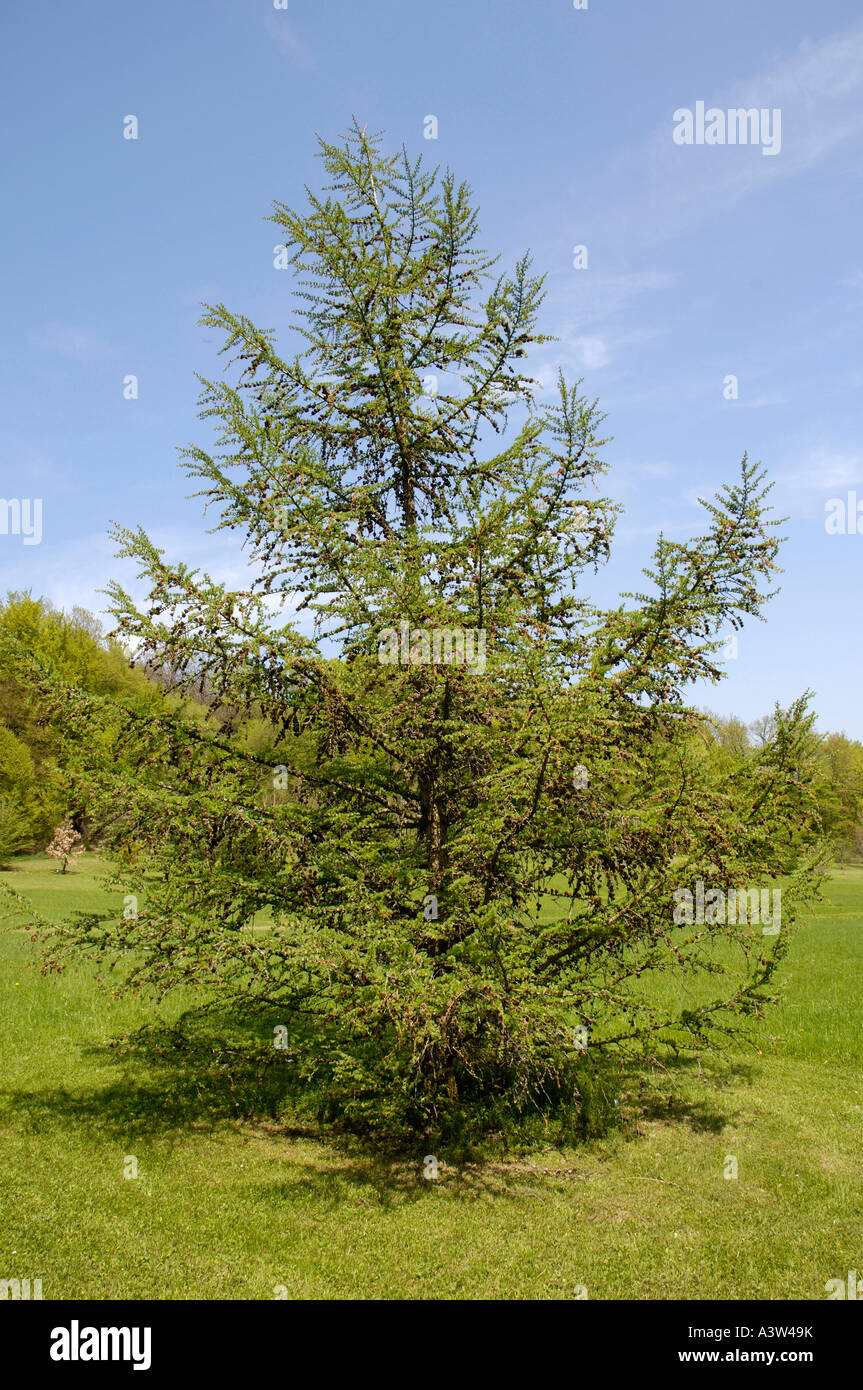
{"points": [[225, 1208]]}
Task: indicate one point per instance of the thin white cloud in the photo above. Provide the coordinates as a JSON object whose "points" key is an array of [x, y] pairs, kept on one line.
{"points": [[589, 352], [77, 344], [596, 294], [824, 470], [77, 571], [67, 574], [655, 470], [589, 334], [819, 90], [279, 28]]}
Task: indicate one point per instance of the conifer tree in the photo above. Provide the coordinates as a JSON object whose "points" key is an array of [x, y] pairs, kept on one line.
{"points": [[464, 887]]}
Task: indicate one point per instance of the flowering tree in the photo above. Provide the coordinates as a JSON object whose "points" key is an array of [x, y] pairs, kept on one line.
{"points": [[66, 845]]}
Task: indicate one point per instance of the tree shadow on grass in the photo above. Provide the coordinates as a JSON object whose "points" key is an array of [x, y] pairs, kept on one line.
{"points": [[335, 1172], [377, 1185], [334, 1178], [176, 1080], [702, 1114], [701, 1117], [170, 1083]]}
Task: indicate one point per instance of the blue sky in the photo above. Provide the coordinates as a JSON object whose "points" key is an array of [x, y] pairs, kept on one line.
{"points": [[704, 261]]}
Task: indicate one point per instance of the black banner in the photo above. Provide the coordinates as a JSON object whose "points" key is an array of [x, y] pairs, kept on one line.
{"points": [[278, 1339]]}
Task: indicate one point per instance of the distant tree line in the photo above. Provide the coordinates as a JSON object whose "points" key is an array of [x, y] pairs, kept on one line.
{"points": [[37, 765], [836, 768], [40, 767]]}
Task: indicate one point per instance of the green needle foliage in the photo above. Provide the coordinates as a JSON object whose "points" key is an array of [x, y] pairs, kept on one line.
{"points": [[462, 873]]}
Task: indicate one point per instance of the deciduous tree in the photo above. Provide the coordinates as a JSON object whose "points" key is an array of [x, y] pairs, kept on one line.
{"points": [[471, 870]]}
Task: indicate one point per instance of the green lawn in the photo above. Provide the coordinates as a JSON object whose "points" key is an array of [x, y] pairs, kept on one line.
{"points": [[226, 1208]]}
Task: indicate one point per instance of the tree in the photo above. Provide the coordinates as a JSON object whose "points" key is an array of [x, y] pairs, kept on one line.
{"points": [[13, 828], [839, 790], [35, 765], [66, 845], [471, 875], [763, 728], [730, 736]]}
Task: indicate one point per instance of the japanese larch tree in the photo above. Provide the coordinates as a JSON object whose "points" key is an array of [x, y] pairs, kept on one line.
{"points": [[444, 879]]}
